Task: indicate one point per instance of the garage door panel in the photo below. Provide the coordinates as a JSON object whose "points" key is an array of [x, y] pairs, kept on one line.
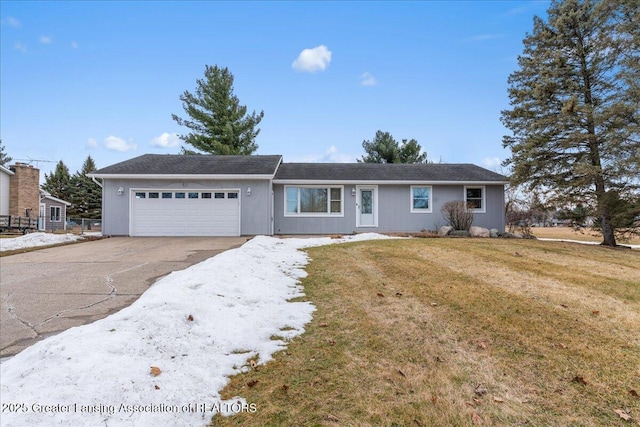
{"points": [[185, 217]]}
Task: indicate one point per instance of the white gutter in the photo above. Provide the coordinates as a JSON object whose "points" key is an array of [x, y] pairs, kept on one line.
{"points": [[183, 176], [93, 178], [384, 182]]}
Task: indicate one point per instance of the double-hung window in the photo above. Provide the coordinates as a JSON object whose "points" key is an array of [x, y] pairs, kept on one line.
{"points": [[474, 196], [313, 201], [56, 213], [421, 199]]}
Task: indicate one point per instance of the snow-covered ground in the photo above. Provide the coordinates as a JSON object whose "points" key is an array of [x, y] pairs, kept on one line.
{"points": [[164, 359], [35, 239]]}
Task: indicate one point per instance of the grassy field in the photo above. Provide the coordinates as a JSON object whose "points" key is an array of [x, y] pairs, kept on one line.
{"points": [[457, 332]]}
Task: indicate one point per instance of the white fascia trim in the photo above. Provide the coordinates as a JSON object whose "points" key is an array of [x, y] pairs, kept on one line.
{"points": [[395, 182], [55, 199], [6, 170], [190, 176]]}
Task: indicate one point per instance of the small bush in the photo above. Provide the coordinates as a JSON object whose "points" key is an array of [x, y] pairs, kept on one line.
{"points": [[457, 214]]}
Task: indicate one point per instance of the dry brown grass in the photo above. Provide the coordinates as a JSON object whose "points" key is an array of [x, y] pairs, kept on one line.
{"points": [[457, 332]]}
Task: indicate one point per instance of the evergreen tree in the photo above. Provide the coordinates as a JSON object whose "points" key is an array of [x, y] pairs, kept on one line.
{"points": [[385, 149], [574, 113], [58, 184], [4, 158], [218, 123], [86, 195]]}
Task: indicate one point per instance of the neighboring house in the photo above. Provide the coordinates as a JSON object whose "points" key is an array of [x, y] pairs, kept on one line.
{"points": [[5, 179], [204, 195], [53, 212]]}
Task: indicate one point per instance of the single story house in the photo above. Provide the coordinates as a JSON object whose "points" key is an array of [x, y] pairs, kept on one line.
{"points": [[53, 212], [208, 195]]}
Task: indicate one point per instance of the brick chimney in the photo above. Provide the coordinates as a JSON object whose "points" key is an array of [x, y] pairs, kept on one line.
{"points": [[24, 191]]}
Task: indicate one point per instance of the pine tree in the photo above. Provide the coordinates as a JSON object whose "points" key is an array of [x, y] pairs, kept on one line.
{"points": [[574, 113], [58, 184], [218, 123], [385, 149], [4, 158], [86, 195]]}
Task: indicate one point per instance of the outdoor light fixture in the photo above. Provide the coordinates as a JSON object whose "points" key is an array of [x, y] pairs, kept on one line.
{"points": [[353, 191], [120, 191], [248, 191]]}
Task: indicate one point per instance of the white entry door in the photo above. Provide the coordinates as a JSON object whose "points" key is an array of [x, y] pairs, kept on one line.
{"points": [[366, 206], [42, 217]]}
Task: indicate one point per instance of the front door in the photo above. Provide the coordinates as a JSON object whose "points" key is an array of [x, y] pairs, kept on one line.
{"points": [[366, 207], [42, 217]]}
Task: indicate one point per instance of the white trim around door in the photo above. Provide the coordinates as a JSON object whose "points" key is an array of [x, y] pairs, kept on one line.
{"points": [[366, 206], [42, 217]]}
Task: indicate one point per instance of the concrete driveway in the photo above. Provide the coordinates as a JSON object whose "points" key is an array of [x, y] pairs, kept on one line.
{"points": [[49, 290]]}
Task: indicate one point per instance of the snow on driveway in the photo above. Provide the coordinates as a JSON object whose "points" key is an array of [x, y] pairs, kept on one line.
{"points": [[35, 239], [164, 359]]}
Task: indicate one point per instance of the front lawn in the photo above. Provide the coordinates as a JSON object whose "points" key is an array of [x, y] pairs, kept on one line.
{"points": [[457, 332]]}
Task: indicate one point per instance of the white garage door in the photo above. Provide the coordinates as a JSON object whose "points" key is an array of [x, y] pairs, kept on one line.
{"points": [[185, 213]]}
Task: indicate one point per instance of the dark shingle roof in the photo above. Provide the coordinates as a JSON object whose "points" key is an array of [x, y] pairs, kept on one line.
{"points": [[386, 172], [176, 164]]}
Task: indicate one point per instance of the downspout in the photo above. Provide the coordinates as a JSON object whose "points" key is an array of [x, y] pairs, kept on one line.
{"points": [[93, 178]]}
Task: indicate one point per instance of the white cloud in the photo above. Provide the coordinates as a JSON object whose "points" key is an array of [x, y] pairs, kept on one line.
{"points": [[166, 140], [492, 163], [12, 22], [46, 39], [483, 37], [118, 144], [367, 79], [74, 45], [312, 60], [92, 143], [21, 47], [331, 155]]}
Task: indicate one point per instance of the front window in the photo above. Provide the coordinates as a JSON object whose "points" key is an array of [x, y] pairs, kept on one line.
{"points": [[313, 201], [56, 213], [474, 196], [420, 199]]}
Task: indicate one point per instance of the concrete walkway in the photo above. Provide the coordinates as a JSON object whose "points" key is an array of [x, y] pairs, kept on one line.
{"points": [[49, 290]]}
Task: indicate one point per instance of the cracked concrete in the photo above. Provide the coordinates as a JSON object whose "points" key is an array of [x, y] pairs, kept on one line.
{"points": [[50, 290]]}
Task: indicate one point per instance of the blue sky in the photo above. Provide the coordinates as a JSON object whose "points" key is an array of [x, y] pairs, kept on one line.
{"points": [[103, 78]]}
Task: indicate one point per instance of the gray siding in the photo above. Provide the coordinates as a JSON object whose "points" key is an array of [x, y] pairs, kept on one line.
{"points": [[394, 211], [255, 211], [50, 225]]}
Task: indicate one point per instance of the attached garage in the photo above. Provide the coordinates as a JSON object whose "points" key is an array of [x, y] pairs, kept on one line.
{"points": [[169, 212], [188, 195]]}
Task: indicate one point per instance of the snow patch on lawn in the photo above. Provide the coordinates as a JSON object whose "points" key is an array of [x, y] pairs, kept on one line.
{"points": [[583, 242], [35, 239], [198, 326]]}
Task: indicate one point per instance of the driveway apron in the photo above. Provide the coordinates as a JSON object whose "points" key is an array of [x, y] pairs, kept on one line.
{"points": [[50, 290]]}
